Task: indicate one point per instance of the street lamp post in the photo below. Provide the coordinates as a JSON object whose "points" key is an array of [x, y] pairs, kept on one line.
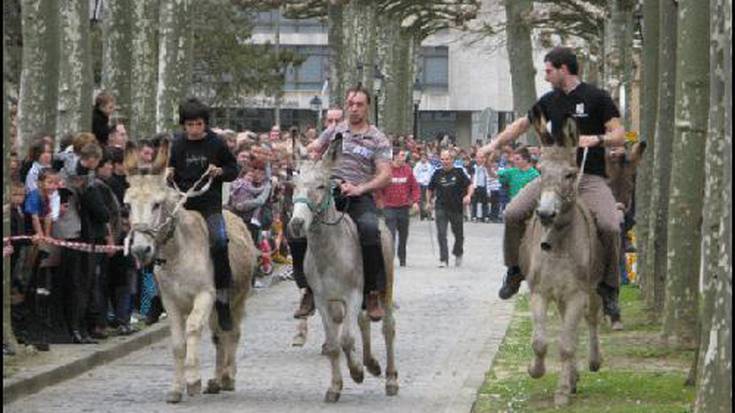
{"points": [[316, 105], [378, 84], [417, 92]]}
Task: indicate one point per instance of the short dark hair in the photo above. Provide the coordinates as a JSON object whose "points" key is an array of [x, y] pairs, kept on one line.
{"points": [[193, 108], [103, 98], [116, 155], [524, 153], [559, 56], [359, 89]]}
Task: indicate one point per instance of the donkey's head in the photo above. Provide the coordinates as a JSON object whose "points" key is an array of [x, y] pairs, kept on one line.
{"points": [[558, 168], [149, 199], [312, 194]]}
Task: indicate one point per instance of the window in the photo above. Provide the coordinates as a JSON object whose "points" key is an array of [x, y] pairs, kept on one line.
{"points": [[434, 67], [266, 22], [312, 73]]}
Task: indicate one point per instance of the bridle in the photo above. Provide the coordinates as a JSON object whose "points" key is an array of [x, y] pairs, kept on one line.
{"points": [[324, 205], [164, 231]]}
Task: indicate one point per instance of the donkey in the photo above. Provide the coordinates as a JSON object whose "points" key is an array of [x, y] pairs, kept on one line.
{"points": [[333, 268], [562, 257], [177, 239]]}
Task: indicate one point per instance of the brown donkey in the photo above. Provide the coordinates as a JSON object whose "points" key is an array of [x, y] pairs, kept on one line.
{"points": [[562, 257]]}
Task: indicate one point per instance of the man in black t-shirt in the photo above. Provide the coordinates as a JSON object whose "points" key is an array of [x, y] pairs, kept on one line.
{"points": [[452, 189], [599, 126]]}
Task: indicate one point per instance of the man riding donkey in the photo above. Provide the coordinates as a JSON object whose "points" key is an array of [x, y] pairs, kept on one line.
{"points": [[363, 166], [599, 125], [196, 152]]}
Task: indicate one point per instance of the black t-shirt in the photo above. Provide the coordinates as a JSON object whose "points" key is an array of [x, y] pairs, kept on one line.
{"points": [[449, 187], [592, 108], [191, 158]]}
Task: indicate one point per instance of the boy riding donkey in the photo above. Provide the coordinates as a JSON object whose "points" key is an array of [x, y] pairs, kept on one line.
{"points": [[363, 166], [599, 125]]}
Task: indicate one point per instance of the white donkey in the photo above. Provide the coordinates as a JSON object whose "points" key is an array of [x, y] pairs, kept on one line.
{"points": [[178, 240], [333, 268]]}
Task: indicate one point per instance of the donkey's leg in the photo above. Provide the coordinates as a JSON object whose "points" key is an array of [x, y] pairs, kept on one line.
{"points": [[593, 322], [194, 324], [347, 340], [213, 384], [332, 318], [373, 366], [574, 311], [389, 333], [539, 307], [232, 338], [302, 330], [178, 347]]}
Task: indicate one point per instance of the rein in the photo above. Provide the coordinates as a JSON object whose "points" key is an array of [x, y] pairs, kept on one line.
{"points": [[154, 232], [318, 210], [581, 170]]}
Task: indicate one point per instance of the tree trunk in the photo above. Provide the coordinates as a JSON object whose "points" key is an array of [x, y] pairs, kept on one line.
{"points": [[687, 178], [522, 70], [655, 266], [39, 75], [75, 70], [144, 69], [400, 70], [8, 336], [173, 74], [618, 57], [117, 38], [336, 56], [359, 32], [714, 380], [649, 83]]}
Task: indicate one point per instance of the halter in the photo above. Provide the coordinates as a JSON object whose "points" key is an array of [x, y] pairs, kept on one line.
{"points": [[155, 232], [323, 206]]}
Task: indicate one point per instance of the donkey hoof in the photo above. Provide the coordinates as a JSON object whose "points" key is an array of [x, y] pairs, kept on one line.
{"points": [[212, 387], [561, 400], [298, 341], [227, 384], [373, 367], [391, 389], [173, 397], [617, 326], [193, 389], [536, 371], [595, 365], [324, 349], [331, 396], [357, 375]]}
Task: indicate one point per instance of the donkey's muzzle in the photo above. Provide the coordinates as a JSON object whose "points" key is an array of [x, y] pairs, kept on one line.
{"points": [[545, 216], [144, 253]]}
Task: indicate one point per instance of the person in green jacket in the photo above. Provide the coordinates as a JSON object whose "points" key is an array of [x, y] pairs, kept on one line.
{"points": [[521, 174]]}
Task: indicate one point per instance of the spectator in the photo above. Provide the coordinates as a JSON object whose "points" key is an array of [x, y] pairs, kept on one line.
{"points": [[104, 107], [400, 196], [479, 196], [423, 171], [520, 174], [453, 191], [40, 155], [249, 195], [118, 136], [146, 153]]}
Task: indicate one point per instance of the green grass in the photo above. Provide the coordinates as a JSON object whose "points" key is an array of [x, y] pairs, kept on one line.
{"points": [[639, 373]]}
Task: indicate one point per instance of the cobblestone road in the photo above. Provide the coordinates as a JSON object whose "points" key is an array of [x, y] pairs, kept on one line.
{"points": [[449, 325]]}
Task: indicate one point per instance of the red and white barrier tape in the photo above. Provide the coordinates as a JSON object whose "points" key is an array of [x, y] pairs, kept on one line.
{"points": [[78, 246]]}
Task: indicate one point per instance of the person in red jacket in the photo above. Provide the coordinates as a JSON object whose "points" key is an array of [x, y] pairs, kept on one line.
{"points": [[398, 198]]}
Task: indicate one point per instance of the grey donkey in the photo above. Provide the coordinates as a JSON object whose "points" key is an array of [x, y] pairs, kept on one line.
{"points": [[163, 230], [333, 268], [562, 257]]}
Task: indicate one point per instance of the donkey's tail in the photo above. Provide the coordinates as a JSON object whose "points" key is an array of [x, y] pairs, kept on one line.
{"points": [[336, 310]]}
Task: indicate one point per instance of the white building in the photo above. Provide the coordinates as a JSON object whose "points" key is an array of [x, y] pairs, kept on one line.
{"points": [[466, 88]]}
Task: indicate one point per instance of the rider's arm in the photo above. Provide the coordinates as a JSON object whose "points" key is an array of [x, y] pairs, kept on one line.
{"points": [[381, 179], [509, 134], [321, 143]]}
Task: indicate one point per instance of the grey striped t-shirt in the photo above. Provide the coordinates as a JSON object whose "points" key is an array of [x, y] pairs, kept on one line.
{"points": [[360, 152]]}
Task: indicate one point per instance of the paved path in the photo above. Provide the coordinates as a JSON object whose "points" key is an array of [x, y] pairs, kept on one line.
{"points": [[449, 325]]}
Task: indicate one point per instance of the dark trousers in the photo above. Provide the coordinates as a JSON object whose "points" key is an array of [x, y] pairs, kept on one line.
{"points": [[99, 298], [397, 219], [81, 276], [423, 213], [218, 248], [456, 220], [495, 204], [297, 246], [479, 199]]}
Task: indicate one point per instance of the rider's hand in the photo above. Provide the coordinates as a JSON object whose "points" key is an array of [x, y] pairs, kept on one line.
{"points": [[214, 171], [466, 200], [588, 141], [349, 189]]}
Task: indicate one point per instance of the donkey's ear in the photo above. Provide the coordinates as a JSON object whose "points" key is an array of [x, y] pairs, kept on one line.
{"points": [[538, 121], [569, 132], [161, 161], [333, 151], [130, 161]]}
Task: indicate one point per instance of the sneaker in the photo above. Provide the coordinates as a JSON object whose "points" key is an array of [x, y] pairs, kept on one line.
{"points": [[511, 283], [443, 264], [374, 308], [224, 318], [306, 307], [458, 261]]}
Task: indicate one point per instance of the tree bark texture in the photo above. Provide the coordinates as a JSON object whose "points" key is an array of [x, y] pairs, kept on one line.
{"points": [[714, 379], [400, 71], [117, 37], [687, 177], [144, 69], [649, 83], [75, 70], [39, 74], [359, 33], [337, 62], [522, 70], [655, 266], [618, 54], [174, 74]]}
